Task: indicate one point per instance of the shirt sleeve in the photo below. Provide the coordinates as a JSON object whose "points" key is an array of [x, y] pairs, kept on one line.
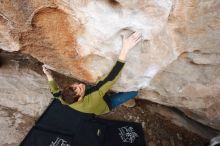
{"points": [[108, 81], [54, 89]]}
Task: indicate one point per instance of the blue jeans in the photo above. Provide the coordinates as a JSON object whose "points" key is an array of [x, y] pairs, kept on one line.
{"points": [[119, 98]]}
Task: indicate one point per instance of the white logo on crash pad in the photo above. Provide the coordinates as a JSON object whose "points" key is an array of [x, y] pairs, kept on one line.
{"points": [[127, 134], [59, 142]]}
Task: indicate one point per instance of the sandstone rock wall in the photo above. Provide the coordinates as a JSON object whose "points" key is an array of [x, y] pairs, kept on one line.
{"points": [[176, 64], [23, 89], [14, 126], [24, 94]]}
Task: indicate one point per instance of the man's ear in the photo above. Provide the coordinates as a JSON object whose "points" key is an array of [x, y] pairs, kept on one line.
{"points": [[80, 98]]}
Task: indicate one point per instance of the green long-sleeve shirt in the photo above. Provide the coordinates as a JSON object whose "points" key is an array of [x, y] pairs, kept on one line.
{"points": [[93, 101]]}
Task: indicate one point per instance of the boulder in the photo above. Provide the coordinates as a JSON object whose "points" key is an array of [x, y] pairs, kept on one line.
{"points": [[14, 126], [193, 88], [22, 89], [176, 63]]}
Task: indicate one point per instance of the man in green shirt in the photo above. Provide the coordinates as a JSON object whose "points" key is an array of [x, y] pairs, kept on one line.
{"points": [[94, 100]]}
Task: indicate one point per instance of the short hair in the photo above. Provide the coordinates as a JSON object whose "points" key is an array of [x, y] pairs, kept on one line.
{"points": [[69, 95], [114, 3]]}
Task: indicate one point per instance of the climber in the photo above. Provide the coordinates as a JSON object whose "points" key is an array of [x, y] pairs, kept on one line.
{"points": [[95, 100]]}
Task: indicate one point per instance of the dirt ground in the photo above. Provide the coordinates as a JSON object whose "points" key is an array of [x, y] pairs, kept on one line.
{"points": [[159, 131]]}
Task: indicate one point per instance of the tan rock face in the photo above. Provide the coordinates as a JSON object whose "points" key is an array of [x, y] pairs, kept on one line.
{"points": [[14, 126], [23, 89], [82, 39], [194, 88], [52, 41], [24, 94]]}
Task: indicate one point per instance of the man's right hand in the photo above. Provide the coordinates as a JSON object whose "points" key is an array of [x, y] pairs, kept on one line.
{"points": [[128, 43]]}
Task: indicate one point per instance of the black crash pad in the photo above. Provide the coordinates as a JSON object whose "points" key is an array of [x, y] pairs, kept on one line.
{"points": [[61, 125]]}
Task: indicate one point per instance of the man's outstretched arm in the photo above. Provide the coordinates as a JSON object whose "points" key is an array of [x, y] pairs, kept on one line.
{"points": [[106, 83], [54, 89]]}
